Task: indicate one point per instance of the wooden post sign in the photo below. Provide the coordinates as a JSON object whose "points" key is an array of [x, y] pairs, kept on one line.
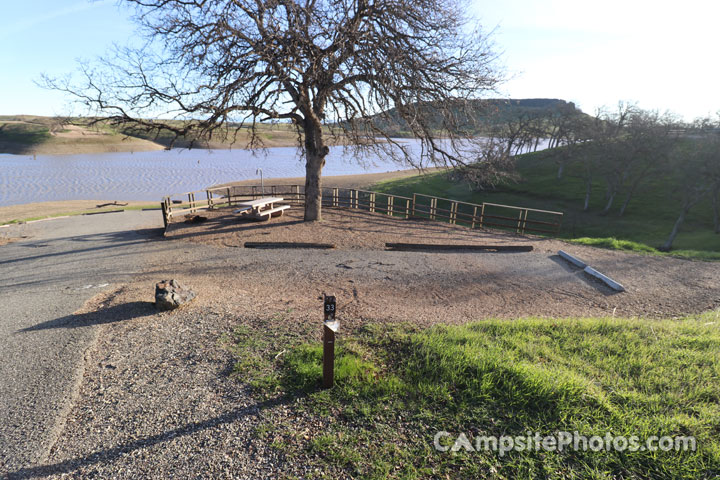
{"points": [[329, 328]]}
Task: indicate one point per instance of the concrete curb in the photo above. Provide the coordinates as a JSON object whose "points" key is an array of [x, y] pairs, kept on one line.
{"points": [[575, 261], [605, 279], [591, 271]]}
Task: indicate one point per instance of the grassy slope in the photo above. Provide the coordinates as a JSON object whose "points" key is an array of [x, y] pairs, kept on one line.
{"points": [[396, 387], [34, 132], [647, 221], [29, 134]]}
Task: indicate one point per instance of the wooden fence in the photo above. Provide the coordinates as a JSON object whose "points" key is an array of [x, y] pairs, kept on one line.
{"points": [[491, 215]]}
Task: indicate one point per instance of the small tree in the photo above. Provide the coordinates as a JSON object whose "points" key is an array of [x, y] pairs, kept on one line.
{"points": [[325, 66], [700, 162]]}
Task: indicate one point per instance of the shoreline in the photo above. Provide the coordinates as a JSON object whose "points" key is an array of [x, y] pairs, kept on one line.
{"points": [[35, 210]]}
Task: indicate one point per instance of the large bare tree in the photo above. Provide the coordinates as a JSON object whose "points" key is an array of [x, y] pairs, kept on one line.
{"points": [[326, 66]]}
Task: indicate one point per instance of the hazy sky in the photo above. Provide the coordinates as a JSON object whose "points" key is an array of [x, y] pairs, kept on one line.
{"points": [[661, 54]]}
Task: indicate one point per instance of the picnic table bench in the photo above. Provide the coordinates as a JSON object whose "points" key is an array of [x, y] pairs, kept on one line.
{"points": [[262, 208]]}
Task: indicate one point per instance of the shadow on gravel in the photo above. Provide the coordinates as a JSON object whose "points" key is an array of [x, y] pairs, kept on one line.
{"points": [[103, 242], [117, 313], [110, 454]]}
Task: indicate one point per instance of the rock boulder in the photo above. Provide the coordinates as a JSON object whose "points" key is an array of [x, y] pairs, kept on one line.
{"points": [[170, 294]]}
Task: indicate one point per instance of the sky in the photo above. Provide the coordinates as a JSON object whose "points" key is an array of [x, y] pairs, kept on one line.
{"points": [[661, 54]]}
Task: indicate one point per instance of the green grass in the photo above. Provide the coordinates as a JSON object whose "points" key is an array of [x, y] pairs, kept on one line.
{"points": [[647, 222], [25, 134], [629, 246], [396, 387]]}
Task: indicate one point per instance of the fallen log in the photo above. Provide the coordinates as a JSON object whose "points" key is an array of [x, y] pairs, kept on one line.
{"points": [[288, 245], [429, 247], [103, 212]]}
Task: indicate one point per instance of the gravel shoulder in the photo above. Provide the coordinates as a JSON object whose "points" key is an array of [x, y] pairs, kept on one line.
{"points": [[48, 272]]}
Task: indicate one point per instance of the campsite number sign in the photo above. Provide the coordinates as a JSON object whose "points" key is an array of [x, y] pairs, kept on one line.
{"points": [[329, 308]]}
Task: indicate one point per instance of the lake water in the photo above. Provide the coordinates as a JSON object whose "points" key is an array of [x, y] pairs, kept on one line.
{"points": [[152, 175]]}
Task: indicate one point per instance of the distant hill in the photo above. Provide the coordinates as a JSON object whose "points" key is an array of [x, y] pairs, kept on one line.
{"points": [[32, 134], [479, 115]]}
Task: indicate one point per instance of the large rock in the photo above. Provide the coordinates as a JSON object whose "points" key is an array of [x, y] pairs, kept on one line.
{"points": [[170, 294]]}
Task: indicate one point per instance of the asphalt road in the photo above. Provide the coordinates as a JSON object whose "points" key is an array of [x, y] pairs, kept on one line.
{"points": [[44, 278]]}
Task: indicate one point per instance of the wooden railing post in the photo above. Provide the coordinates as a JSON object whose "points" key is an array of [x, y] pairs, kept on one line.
{"points": [[372, 202], [519, 221], [482, 214], [453, 213], [413, 204], [472, 225], [390, 204], [229, 197], [211, 206], [407, 208], [163, 207]]}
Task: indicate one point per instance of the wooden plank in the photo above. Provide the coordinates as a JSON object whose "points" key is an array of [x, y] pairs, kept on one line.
{"points": [[260, 202], [267, 213], [288, 245], [429, 247], [522, 208]]}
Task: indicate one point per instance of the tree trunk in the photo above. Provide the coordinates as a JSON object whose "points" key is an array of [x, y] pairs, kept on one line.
{"points": [[610, 199], [676, 228], [313, 188], [716, 207], [315, 153], [627, 199], [588, 191]]}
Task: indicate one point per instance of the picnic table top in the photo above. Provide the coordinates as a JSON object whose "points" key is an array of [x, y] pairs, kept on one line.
{"points": [[260, 202]]}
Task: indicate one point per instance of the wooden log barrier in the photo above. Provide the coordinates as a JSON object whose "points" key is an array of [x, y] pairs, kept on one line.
{"points": [[429, 247]]}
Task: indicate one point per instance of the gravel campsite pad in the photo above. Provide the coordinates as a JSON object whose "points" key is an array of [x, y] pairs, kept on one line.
{"points": [[480, 284]]}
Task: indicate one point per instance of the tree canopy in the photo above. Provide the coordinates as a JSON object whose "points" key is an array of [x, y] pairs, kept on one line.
{"points": [[326, 66]]}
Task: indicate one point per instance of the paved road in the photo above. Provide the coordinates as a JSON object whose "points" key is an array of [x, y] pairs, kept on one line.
{"points": [[45, 277]]}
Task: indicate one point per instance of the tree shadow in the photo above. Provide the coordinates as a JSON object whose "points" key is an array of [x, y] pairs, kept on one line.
{"points": [[114, 241], [110, 454], [116, 313]]}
